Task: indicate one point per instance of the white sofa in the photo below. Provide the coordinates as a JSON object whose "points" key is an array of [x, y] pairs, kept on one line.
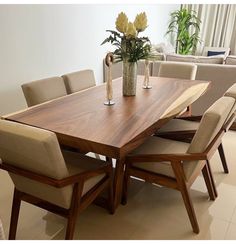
{"points": [[222, 76]]}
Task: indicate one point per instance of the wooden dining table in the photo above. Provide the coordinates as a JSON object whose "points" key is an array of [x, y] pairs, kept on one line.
{"points": [[81, 120]]}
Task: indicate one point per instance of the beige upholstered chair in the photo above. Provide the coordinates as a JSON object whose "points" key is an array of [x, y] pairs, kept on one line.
{"points": [[44, 90], [177, 127], [78, 81], [176, 164], [180, 71], [64, 183]]}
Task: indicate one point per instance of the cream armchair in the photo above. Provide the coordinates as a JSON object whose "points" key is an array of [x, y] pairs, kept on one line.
{"points": [[176, 164], [64, 183], [178, 128]]}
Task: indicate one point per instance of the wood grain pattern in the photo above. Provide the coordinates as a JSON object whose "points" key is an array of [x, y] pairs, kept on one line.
{"points": [[82, 120]]}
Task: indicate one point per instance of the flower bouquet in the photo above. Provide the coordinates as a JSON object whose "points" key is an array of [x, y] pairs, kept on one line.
{"points": [[130, 48]]}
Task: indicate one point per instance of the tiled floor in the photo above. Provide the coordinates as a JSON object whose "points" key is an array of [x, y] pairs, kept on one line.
{"points": [[152, 212]]}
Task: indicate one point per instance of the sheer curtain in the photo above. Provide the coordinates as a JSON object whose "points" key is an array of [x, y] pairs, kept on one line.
{"points": [[218, 27]]}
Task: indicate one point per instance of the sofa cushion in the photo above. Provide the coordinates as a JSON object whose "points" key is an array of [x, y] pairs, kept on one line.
{"points": [[195, 59], [231, 60]]}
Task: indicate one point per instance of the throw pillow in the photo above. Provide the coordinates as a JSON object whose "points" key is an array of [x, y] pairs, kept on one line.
{"points": [[214, 53]]}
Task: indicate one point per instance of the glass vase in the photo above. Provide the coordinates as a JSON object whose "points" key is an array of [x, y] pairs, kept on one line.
{"points": [[129, 78]]}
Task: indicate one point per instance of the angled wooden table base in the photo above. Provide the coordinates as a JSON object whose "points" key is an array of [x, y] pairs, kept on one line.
{"points": [[81, 120]]}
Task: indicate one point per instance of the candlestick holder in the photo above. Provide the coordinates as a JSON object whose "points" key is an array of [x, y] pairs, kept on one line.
{"points": [[146, 84], [108, 61]]}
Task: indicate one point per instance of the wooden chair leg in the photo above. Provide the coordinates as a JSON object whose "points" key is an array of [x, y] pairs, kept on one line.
{"points": [[209, 186], [70, 227], [73, 212], [223, 159], [179, 173], [211, 178], [14, 214], [189, 207], [125, 185]]}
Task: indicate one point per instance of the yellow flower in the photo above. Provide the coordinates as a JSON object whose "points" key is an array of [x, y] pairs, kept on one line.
{"points": [[140, 22], [122, 22], [131, 30]]}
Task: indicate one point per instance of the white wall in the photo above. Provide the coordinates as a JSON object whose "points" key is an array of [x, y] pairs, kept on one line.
{"points": [[38, 41]]}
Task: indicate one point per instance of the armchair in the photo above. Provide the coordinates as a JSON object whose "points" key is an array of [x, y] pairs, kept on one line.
{"points": [[177, 164], [64, 183], [181, 127]]}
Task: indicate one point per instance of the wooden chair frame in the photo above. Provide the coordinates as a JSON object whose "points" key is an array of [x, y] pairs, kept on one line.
{"points": [[78, 202], [179, 182], [187, 136]]}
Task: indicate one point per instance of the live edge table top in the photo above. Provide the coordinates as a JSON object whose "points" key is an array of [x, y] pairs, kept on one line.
{"points": [[83, 121]]}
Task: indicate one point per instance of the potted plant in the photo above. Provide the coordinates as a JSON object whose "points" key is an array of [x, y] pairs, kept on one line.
{"points": [[186, 26], [130, 48]]}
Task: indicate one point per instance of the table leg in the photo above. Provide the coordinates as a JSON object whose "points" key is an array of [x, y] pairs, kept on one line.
{"points": [[118, 181]]}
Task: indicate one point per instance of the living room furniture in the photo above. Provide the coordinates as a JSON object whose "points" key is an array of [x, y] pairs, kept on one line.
{"points": [[79, 80], [222, 76], [118, 129], [176, 164], [178, 70], [40, 91], [177, 128], [61, 182]]}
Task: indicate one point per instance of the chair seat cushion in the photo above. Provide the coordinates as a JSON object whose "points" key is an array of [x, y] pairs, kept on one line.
{"points": [[179, 125], [157, 145], [77, 163]]}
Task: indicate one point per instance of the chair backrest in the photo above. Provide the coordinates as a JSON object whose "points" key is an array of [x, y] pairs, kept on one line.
{"points": [[178, 70], [44, 90], [211, 123], [78, 81], [38, 151]]}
